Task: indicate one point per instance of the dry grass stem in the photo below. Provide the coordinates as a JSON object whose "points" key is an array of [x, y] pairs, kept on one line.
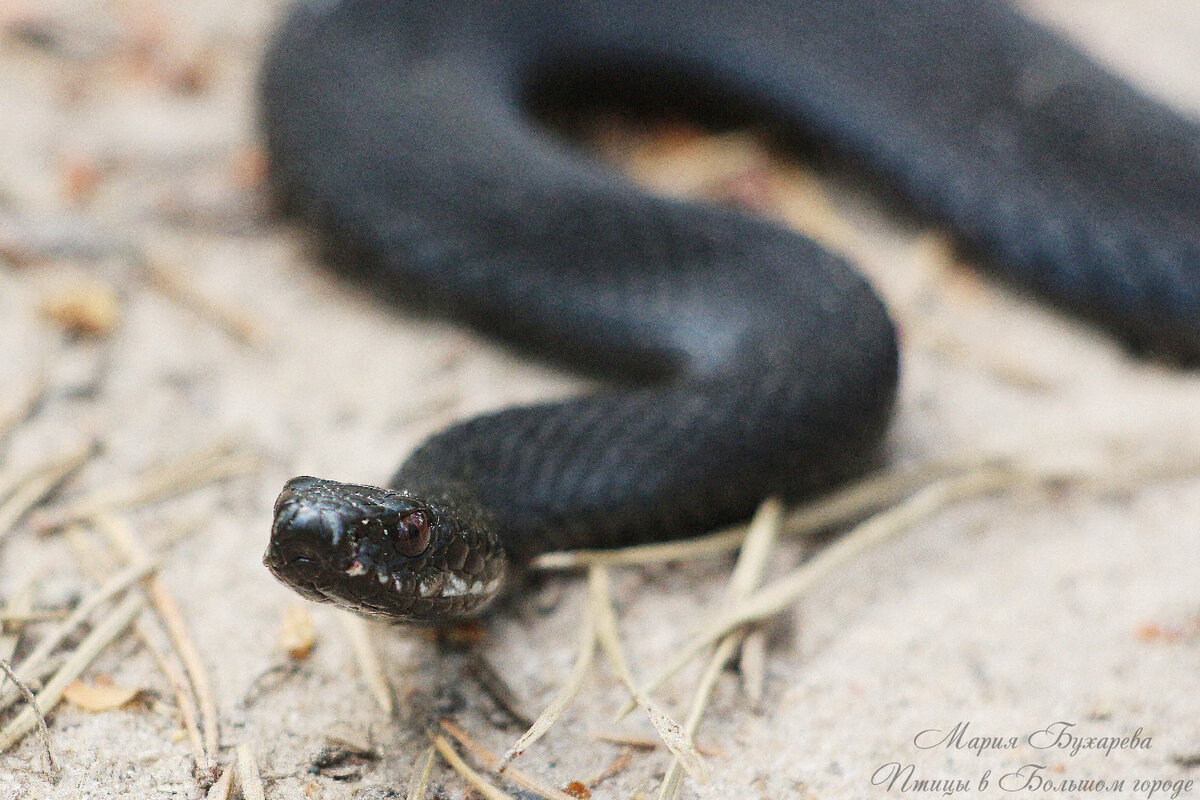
{"points": [[34, 487], [20, 601], [567, 693], [25, 400], [842, 506], [713, 544], [248, 778], [721, 655], [368, 661], [627, 739], [223, 788], [185, 696], [95, 560], [35, 678], [1126, 471], [418, 782], [121, 538], [877, 491], [724, 651], [193, 665], [753, 666], [491, 762], [617, 766], [177, 476], [668, 729], [472, 777], [677, 741], [760, 538], [761, 534], [40, 718], [91, 646], [786, 591], [10, 616], [112, 587], [173, 283], [497, 688]]}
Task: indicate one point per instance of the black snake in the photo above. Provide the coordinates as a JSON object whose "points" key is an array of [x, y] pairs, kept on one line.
{"points": [[755, 362]]}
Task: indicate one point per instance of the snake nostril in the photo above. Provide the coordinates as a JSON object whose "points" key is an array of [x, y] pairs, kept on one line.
{"points": [[302, 533], [293, 555]]}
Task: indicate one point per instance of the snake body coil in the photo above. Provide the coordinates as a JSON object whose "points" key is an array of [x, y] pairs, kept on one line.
{"points": [[759, 363]]}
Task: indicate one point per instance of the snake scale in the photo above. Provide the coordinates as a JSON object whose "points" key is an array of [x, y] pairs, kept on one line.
{"points": [[752, 361]]}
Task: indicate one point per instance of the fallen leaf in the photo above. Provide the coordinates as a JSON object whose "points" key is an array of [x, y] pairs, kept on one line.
{"points": [[99, 696], [88, 308], [577, 789]]}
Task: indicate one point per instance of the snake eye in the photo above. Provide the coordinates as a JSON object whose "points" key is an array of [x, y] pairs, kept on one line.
{"points": [[412, 534]]}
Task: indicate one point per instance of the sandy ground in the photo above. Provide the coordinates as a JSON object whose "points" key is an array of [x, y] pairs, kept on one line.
{"points": [[127, 157]]}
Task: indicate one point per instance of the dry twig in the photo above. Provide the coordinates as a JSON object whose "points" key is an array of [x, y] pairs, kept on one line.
{"points": [[764, 528], [844, 505], [112, 587], [38, 484], [43, 731], [21, 600], [418, 782], [121, 538], [174, 284], [472, 777], [670, 731], [617, 766], [223, 788], [249, 780], [491, 762], [177, 476], [786, 591], [479, 668], [752, 666], [570, 688], [99, 638], [91, 557], [26, 401], [368, 661]]}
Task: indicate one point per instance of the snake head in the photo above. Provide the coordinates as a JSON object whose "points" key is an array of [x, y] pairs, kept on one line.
{"points": [[381, 552]]}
